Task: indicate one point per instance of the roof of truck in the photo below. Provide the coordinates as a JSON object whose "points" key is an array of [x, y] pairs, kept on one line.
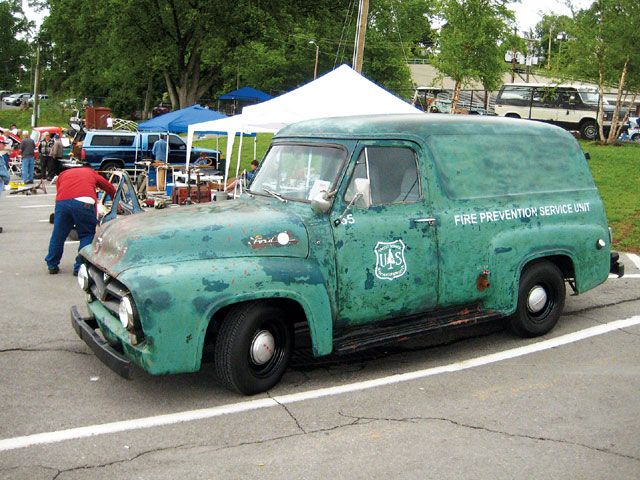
{"points": [[417, 125]]}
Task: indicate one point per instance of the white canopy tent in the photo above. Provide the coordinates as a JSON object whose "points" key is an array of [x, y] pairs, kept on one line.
{"points": [[341, 92]]}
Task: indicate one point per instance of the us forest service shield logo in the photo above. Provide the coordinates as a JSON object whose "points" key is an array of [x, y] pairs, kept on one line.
{"points": [[390, 262]]}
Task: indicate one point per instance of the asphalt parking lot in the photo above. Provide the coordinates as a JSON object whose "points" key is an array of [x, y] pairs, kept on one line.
{"points": [[474, 404]]}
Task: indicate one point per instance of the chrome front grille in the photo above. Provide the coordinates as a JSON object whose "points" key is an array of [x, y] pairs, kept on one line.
{"points": [[106, 289]]}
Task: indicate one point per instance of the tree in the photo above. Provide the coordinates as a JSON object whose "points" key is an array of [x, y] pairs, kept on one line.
{"points": [[547, 31], [470, 42], [601, 48], [14, 45]]}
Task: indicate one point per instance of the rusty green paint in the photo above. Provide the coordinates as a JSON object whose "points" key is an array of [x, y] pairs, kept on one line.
{"points": [[183, 265]]}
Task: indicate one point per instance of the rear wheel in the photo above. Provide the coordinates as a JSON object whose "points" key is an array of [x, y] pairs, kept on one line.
{"points": [[512, 115], [540, 300], [107, 168], [253, 348], [589, 130]]}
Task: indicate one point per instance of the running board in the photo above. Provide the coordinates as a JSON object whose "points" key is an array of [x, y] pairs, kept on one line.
{"points": [[398, 330]]}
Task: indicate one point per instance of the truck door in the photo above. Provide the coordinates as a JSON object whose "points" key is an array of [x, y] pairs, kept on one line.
{"points": [[386, 252]]}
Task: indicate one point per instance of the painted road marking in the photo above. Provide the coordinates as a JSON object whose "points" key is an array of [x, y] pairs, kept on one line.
{"points": [[48, 205], [626, 275], [17, 195], [205, 413], [70, 242], [635, 259]]}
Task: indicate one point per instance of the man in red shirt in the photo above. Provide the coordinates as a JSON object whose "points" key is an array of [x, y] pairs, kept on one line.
{"points": [[75, 205]]}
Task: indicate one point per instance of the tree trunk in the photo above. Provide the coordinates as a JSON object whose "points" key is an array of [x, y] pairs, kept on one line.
{"points": [[146, 110], [171, 88], [615, 127], [456, 96]]}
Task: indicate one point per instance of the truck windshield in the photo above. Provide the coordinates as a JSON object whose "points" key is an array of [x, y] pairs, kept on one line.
{"points": [[298, 172]]}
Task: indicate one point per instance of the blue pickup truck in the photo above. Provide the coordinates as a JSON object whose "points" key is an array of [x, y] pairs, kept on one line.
{"points": [[111, 149]]}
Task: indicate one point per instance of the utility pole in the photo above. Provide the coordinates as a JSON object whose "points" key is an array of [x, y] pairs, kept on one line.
{"points": [[361, 32], [315, 68], [513, 59], [36, 87]]}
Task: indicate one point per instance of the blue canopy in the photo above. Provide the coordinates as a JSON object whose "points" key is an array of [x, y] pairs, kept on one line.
{"points": [[179, 121], [246, 94]]}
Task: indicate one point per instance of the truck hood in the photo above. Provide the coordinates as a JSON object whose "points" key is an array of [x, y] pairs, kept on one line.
{"points": [[232, 229]]}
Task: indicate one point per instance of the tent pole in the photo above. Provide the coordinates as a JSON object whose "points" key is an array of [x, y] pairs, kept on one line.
{"points": [[255, 147], [238, 165]]}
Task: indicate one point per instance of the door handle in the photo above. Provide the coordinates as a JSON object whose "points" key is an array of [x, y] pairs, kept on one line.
{"points": [[429, 221]]}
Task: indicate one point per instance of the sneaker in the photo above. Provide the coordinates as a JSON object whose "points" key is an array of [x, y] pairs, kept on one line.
{"points": [[54, 270], [30, 182], [75, 273]]}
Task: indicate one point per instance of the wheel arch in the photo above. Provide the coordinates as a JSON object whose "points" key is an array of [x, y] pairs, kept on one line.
{"points": [[297, 308]]}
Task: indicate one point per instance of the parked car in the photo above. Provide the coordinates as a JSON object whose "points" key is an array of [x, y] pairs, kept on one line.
{"points": [[568, 106], [160, 109], [355, 231], [16, 99], [112, 149], [41, 96]]}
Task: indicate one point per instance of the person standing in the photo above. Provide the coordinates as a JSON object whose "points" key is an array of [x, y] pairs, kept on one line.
{"points": [[46, 160], [28, 151], [5, 149], [4, 178], [56, 152], [159, 149], [75, 205], [13, 129]]}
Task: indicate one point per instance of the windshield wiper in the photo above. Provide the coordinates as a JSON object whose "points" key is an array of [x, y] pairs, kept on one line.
{"points": [[274, 194]]}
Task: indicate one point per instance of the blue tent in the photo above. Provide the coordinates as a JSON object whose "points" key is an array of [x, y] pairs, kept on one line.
{"points": [[246, 94], [179, 121]]}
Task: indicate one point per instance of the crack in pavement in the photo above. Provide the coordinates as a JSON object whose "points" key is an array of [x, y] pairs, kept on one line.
{"points": [[191, 446], [597, 307], [286, 409], [490, 430], [115, 462]]}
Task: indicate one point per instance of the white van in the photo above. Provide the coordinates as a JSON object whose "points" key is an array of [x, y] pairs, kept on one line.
{"points": [[568, 106]]}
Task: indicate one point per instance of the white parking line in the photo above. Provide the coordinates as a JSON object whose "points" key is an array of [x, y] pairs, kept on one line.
{"points": [[627, 275], [192, 415], [71, 242], [27, 196], [635, 259], [48, 205]]}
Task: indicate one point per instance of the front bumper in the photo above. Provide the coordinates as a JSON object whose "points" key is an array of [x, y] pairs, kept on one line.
{"points": [[616, 267], [85, 328]]}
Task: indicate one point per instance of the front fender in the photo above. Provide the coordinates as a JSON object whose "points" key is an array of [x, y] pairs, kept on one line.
{"points": [[177, 301]]}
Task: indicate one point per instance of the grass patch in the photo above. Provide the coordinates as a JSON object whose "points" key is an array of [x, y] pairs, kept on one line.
{"points": [[262, 144], [616, 171], [51, 114]]}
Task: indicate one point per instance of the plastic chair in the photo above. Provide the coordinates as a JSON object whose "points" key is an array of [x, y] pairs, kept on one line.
{"points": [[15, 166]]}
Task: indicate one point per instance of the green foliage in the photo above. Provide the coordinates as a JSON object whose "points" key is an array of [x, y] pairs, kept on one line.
{"points": [[14, 47], [197, 49], [51, 114], [550, 27], [470, 42]]}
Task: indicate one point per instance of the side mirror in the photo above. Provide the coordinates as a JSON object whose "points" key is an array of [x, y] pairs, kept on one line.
{"points": [[363, 190], [321, 203]]}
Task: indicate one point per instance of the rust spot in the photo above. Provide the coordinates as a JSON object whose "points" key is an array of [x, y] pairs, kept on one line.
{"points": [[189, 337], [482, 283]]}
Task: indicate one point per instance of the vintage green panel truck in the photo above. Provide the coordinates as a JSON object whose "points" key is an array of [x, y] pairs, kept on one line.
{"points": [[363, 229]]}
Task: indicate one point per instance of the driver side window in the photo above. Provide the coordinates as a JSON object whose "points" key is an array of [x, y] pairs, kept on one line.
{"points": [[392, 173]]}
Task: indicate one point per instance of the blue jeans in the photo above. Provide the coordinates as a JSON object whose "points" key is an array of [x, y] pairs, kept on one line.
{"points": [[5, 157], [27, 169], [67, 214]]}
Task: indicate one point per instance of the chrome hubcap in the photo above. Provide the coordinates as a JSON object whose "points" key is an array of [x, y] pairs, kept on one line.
{"points": [[537, 299], [262, 347]]}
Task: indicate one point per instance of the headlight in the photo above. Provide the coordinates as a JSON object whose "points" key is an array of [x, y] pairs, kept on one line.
{"points": [[83, 277], [125, 312]]}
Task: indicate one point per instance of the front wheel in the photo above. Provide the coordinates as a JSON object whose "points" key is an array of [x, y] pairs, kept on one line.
{"points": [[253, 348], [589, 130], [540, 300], [635, 137]]}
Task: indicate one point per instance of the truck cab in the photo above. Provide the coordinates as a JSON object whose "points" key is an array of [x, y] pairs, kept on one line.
{"points": [[111, 149]]}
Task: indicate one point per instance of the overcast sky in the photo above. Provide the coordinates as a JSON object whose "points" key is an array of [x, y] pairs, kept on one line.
{"points": [[528, 12]]}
